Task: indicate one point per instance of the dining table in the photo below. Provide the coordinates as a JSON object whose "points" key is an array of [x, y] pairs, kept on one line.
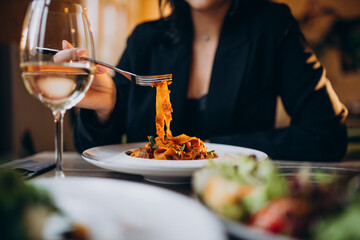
{"points": [[75, 166]]}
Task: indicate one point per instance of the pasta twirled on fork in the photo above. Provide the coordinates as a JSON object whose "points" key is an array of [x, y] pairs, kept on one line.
{"points": [[166, 146]]}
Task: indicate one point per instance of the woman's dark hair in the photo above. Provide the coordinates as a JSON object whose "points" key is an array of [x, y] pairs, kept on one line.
{"points": [[180, 19]]}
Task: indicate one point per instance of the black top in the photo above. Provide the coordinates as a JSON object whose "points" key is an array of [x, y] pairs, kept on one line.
{"points": [[260, 56], [196, 118]]}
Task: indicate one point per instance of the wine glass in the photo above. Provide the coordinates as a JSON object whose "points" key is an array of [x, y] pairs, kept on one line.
{"points": [[58, 85]]}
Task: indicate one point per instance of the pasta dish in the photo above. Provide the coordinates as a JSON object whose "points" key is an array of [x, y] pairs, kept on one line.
{"points": [[165, 146]]}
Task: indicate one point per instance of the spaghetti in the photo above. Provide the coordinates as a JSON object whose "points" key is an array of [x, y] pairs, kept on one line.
{"points": [[166, 146]]}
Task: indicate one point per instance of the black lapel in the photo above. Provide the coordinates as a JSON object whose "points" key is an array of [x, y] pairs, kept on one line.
{"points": [[229, 69], [228, 72]]}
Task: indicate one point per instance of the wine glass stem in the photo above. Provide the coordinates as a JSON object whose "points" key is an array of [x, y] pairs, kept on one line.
{"points": [[58, 119]]}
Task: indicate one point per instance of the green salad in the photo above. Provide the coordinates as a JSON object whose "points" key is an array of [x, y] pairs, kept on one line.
{"points": [[23, 207], [306, 204], [25, 210]]}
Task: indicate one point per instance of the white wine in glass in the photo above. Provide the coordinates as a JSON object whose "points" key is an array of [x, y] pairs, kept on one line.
{"points": [[58, 85]]}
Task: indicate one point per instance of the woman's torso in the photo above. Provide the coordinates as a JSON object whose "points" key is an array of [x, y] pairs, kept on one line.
{"points": [[243, 84]]}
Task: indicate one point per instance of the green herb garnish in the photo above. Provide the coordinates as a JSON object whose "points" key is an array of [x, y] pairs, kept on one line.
{"points": [[174, 148], [177, 151], [183, 147], [153, 143], [211, 154]]}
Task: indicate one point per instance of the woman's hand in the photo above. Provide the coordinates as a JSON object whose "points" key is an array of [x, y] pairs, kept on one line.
{"points": [[101, 96]]}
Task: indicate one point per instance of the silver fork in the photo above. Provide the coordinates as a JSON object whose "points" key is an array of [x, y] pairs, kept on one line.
{"points": [[138, 79]]}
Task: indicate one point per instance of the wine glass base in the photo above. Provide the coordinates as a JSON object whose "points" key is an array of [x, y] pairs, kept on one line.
{"points": [[59, 174]]}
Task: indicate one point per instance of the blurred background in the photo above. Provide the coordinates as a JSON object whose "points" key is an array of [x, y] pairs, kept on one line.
{"points": [[332, 28]]}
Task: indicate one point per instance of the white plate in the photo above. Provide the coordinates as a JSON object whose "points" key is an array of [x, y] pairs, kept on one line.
{"points": [[113, 157], [115, 209]]}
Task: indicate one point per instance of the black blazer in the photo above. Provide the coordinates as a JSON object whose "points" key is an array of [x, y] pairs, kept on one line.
{"points": [[260, 56]]}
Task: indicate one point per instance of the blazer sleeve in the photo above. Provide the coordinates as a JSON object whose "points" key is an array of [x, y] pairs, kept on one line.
{"points": [[317, 131], [88, 132]]}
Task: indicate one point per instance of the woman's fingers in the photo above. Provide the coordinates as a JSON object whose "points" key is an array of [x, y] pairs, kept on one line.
{"points": [[101, 69], [66, 44], [69, 54]]}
